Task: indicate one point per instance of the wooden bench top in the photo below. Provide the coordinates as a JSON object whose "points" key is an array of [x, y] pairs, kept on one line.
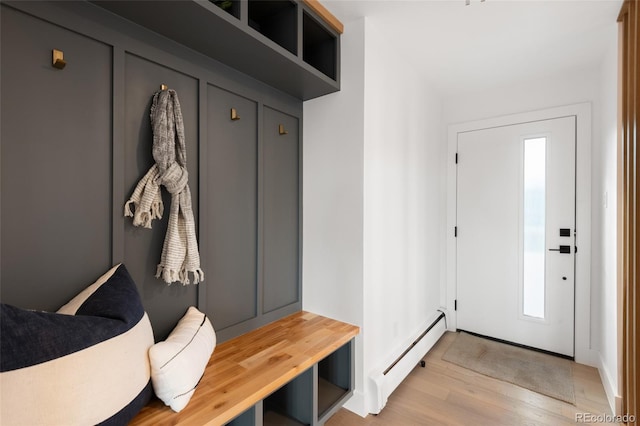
{"points": [[244, 370]]}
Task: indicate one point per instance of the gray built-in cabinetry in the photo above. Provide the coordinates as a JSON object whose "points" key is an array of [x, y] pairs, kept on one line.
{"points": [[279, 42], [252, 192], [75, 142]]}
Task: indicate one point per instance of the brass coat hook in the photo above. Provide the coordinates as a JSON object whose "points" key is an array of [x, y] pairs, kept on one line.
{"points": [[281, 130], [234, 115], [164, 87], [58, 59]]}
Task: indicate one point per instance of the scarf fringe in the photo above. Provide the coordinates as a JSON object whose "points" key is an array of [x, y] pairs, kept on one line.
{"points": [[144, 218], [127, 209], [157, 208], [170, 275]]}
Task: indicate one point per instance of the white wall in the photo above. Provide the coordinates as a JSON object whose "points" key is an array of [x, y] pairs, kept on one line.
{"points": [[404, 209], [373, 205], [569, 88], [333, 170], [604, 224]]}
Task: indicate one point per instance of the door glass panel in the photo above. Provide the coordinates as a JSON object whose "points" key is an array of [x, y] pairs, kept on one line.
{"points": [[534, 227]]}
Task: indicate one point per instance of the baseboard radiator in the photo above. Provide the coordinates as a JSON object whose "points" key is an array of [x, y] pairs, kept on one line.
{"points": [[386, 380]]}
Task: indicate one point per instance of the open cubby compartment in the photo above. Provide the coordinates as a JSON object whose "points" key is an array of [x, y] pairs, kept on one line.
{"points": [[277, 20], [248, 418], [335, 380], [292, 404], [232, 7], [319, 46]]}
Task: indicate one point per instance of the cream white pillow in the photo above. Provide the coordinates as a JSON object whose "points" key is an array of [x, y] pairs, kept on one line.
{"points": [[177, 364]]}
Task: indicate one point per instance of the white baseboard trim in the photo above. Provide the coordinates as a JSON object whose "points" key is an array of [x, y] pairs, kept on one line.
{"points": [[615, 400], [384, 380], [356, 404]]}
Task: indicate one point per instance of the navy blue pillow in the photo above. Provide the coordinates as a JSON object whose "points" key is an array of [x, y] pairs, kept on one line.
{"points": [[30, 337], [87, 368]]}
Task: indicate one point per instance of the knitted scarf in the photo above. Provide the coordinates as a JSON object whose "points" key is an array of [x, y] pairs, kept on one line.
{"points": [[180, 250]]}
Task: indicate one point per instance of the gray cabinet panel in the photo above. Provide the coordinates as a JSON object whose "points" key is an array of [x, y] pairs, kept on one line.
{"points": [[281, 204], [56, 162], [75, 142], [231, 194], [143, 247]]}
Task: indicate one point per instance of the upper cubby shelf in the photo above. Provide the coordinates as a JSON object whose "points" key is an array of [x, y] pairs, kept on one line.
{"points": [[319, 47], [283, 43], [232, 7], [276, 20]]}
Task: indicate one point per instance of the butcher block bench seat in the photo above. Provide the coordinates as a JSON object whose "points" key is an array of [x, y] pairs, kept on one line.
{"points": [[244, 371]]}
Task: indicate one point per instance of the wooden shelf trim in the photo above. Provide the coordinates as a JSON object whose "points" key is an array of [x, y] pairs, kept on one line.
{"points": [[245, 370], [327, 16]]}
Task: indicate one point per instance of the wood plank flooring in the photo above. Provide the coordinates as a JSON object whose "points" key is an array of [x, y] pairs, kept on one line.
{"points": [[446, 394]]}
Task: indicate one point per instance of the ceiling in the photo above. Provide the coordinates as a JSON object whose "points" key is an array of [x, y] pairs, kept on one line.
{"points": [[463, 48]]}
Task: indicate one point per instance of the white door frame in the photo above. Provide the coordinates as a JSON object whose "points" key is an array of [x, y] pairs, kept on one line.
{"points": [[582, 111]]}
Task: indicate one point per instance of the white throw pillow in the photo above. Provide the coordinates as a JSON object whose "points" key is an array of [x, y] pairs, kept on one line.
{"points": [[177, 364]]}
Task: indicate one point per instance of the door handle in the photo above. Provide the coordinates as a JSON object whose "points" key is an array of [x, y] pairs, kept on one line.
{"points": [[562, 249]]}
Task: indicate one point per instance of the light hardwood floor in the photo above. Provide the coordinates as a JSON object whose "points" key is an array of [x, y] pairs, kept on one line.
{"points": [[446, 394]]}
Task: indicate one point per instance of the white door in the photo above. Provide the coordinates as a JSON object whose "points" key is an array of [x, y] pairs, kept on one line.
{"points": [[516, 233]]}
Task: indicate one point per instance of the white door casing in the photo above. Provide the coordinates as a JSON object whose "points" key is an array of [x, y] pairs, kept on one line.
{"points": [[493, 268], [582, 314]]}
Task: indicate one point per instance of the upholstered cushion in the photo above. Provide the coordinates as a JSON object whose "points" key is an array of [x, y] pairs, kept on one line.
{"points": [[87, 366], [177, 364], [72, 306]]}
